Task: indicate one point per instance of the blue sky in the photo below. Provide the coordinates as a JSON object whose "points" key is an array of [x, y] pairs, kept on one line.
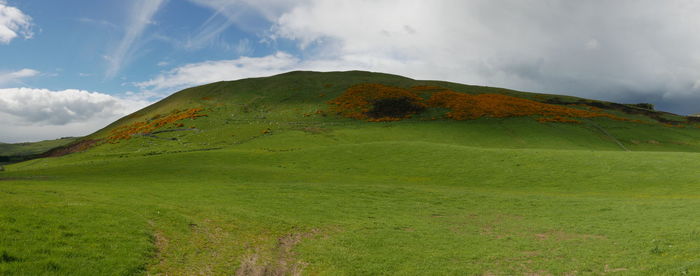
{"points": [[69, 67], [75, 42]]}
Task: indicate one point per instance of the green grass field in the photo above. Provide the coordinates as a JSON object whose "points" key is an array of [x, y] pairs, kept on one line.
{"points": [[332, 196]]}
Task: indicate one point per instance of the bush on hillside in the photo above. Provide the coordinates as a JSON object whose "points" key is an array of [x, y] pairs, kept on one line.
{"points": [[394, 108], [377, 102], [644, 106]]}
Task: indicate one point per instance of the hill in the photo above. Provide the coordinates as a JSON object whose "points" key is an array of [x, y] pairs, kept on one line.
{"points": [[358, 173], [229, 113]]}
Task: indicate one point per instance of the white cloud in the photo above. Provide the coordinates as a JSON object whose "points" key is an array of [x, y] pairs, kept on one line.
{"points": [[212, 71], [35, 114], [13, 23], [141, 14], [17, 76]]}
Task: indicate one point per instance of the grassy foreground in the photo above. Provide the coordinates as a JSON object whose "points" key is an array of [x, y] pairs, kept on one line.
{"points": [[288, 203]]}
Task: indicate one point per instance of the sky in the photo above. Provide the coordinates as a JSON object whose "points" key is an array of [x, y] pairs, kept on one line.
{"points": [[70, 67]]}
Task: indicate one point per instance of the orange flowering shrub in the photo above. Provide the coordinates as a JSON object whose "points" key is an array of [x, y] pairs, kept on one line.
{"points": [[360, 102], [379, 103], [125, 132], [465, 107]]}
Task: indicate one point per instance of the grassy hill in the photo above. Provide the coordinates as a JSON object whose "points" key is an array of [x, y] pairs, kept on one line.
{"points": [[266, 177], [236, 112]]}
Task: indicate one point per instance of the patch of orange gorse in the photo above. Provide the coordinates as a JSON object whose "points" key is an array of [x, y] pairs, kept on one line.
{"points": [[127, 131], [357, 100], [466, 107]]}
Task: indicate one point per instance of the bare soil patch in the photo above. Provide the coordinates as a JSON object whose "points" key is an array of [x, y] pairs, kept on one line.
{"points": [[72, 148], [283, 261]]}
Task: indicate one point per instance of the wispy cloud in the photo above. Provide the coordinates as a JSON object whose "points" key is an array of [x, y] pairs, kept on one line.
{"points": [[13, 23], [142, 13], [269, 9], [239, 13], [100, 22], [17, 76], [209, 31], [244, 47], [247, 14]]}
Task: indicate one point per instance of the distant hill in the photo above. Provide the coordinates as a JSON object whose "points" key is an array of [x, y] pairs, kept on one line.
{"points": [[22, 151]]}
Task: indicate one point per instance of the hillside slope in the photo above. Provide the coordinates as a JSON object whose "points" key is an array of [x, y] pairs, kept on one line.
{"points": [[226, 114]]}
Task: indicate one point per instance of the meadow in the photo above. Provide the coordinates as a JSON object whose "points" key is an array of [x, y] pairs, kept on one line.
{"points": [[263, 188]]}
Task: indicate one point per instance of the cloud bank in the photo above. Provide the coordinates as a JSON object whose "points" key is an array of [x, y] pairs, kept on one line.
{"points": [[34, 114], [13, 23]]}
